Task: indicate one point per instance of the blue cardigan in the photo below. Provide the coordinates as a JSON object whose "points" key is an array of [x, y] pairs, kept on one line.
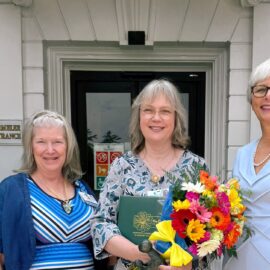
{"points": [[17, 235]]}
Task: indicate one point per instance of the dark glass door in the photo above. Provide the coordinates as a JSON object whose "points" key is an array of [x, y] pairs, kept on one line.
{"points": [[101, 106]]}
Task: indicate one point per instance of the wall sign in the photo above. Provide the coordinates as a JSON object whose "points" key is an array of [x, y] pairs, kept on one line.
{"points": [[105, 154], [10, 132]]}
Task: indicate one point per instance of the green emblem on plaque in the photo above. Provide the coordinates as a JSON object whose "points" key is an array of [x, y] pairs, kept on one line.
{"points": [[142, 221]]}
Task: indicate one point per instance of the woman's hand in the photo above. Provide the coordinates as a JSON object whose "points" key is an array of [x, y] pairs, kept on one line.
{"points": [[121, 247], [1, 261], [167, 267]]}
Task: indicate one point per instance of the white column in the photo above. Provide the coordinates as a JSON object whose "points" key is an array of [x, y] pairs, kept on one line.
{"points": [[11, 95]]}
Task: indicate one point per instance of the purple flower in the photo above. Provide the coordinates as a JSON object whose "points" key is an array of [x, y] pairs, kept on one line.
{"points": [[193, 249], [192, 196], [206, 237], [223, 202]]}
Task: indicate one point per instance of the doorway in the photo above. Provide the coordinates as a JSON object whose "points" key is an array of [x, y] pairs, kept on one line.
{"points": [[101, 105]]}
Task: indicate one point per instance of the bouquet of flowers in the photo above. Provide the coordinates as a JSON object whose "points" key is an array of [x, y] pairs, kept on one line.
{"points": [[201, 219]]}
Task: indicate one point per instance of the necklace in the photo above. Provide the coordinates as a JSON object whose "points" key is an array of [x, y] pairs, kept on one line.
{"points": [[155, 178], [262, 161], [67, 207]]}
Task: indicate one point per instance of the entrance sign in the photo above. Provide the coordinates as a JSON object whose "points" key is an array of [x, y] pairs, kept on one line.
{"points": [[11, 132], [104, 155]]}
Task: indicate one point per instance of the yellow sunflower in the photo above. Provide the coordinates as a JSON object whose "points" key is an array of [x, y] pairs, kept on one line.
{"points": [[195, 230], [180, 205]]}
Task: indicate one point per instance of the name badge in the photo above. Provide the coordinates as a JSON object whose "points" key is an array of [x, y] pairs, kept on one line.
{"points": [[88, 199], [157, 193]]}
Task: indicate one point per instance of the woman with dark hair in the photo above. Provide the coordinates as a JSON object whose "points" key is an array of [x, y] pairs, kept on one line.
{"points": [[45, 208], [159, 143], [252, 168]]}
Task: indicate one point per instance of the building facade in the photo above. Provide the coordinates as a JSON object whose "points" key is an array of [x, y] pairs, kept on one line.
{"points": [[43, 41]]}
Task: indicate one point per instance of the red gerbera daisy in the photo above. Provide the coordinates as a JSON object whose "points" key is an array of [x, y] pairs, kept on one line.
{"points": [[180, 220]]}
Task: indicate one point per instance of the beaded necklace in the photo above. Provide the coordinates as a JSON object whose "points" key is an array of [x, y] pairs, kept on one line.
{"points": [[257, 164]]}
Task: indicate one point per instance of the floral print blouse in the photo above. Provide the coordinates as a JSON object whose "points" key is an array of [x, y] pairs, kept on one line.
{"points": [[128, 175]]}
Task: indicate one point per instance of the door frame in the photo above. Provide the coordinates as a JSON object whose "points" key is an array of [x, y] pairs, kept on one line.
{"points": [[213, 60]]}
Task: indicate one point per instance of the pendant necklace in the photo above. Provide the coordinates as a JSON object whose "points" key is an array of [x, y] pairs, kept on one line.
{"points": [[67, 207], [262, 161], [155, 178]]}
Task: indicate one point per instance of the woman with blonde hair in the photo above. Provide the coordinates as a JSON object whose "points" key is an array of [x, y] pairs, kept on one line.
{"points": [[45, 208], [159, 143]]}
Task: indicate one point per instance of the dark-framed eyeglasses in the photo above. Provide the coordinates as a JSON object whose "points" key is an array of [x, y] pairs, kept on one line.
{"points": [[259, 91]]}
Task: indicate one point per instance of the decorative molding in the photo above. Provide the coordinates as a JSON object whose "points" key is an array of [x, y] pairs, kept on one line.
{"points": [[60, 60], [151, 23], [22, 3], [130, 17], [122, 22], [250, 3]]}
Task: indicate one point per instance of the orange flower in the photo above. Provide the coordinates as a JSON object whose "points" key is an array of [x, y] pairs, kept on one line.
{"points": [[219, 220], [209, 182], [232, 237], [203, 176], [241, 217]]}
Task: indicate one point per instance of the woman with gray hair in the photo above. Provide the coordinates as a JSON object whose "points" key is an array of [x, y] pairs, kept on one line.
{"points": [[252, 168], [159, 143], [45, 208]]}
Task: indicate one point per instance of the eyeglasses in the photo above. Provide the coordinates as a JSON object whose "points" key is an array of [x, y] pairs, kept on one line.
{"points": [[149, 112], [259, 91]]}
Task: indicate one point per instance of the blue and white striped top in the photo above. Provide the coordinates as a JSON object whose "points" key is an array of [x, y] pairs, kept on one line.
{"points": [[61, 237]]}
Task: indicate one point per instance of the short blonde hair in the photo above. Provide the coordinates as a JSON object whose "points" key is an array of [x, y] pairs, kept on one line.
{"points": [[72, 168], [153, 89]]}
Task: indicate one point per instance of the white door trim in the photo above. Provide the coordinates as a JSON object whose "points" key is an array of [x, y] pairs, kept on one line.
{"points": [[213, 60]]}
